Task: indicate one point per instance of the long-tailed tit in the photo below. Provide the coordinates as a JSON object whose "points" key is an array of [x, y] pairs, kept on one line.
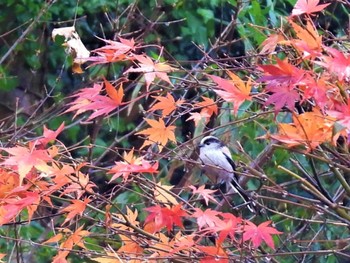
{"points": [[219, 166]]}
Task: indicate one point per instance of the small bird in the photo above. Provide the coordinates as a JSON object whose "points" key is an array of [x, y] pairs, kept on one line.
{"points": [[219, 166]]}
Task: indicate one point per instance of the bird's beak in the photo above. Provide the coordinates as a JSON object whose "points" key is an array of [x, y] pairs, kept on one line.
{"points": [[200, 145]]}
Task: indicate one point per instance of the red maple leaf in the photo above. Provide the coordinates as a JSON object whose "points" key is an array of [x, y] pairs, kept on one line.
{"points": [[281, 79], [49, 135], [233, 90], [260, 233], [337, 63], [207, 218], [165, 217], [24, 159], [132, 164], [307, 7], [90, 99], [205, 193], [113, 51], [11, 206], [342, 114], [229, 226]]}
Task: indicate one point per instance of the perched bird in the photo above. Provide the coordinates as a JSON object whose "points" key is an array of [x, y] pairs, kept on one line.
{"points": [[219, 166]]}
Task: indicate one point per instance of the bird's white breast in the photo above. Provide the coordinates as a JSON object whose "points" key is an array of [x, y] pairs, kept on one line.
{"points": [[216, 165]]}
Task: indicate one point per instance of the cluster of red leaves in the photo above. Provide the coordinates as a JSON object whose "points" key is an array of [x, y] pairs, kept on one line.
{"points": [[24, 166], [226, 226], [289, 83], [30, 174]]}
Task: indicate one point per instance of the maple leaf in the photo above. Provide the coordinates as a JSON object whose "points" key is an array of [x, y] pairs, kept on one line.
{"points": [[165, 217], [197, 117], [113, 51], [269, 44], [8, 181], [319, 91], [337, 63], [205, 193], [132, 219], [229, 226], [130, 246], [159, 133], [213, 254], [233, 90], [166, 104], [184, 243], [90, 99], [24, 159], [207, 218], [14, 204], [310, 43], [151, 70], [307, 7], [49, 135], [260, 233], [208, 108], [54, 239], [281, 79], [76, 208], [79, 185], [162, 194], [208, 105], [132, 164], [73, 239], [309, 129], [342, 114]]}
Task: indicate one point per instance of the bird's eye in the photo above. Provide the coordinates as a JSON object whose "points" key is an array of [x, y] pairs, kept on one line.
{"points": [[207, 143]]}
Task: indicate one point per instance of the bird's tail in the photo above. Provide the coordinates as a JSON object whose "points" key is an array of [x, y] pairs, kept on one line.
{"points": [[239, 190]]}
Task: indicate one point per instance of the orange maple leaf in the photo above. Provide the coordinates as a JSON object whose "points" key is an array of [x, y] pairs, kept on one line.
{"points": [[208, 105], [208, 108], [130, 246], [8, 181], [73, 239], [76, 208], [269, 44], [213, 254], [166, 104], [151, 69], [309, 129], [233, 90], [309, 42], [159, 133], [24, 159]]}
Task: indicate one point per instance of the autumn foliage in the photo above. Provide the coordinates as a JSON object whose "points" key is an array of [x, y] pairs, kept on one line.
{"points": [[298, 83]]}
